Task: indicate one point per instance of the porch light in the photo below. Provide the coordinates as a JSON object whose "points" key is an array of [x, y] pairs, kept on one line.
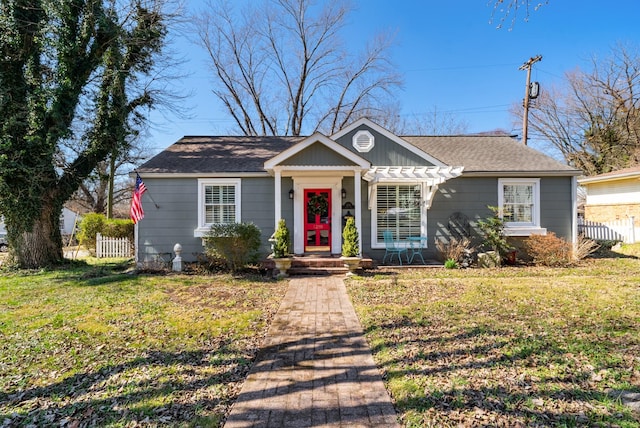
{"points": [[344, 194], [291, 194]]}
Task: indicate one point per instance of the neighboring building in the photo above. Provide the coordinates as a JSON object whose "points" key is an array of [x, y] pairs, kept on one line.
{"points": [[612, 196], [412, 186], [68, 220]]}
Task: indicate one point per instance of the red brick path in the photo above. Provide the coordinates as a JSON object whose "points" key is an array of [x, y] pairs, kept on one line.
{"points": [[316, 368]]}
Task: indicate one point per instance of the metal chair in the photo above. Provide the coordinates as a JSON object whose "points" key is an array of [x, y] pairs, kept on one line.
{"points": [[391, 247]]}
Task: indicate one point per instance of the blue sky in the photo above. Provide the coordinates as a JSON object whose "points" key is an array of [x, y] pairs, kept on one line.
{"points": [[452, 59]]}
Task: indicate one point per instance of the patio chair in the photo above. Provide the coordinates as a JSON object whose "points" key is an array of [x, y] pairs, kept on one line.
{"points": [[391, 247]]}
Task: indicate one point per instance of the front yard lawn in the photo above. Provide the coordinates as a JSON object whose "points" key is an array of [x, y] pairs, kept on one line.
{"points": [[508, 347], [91, 346]]}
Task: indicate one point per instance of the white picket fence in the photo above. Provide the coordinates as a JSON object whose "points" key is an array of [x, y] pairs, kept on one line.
{"points": [[619, 230], [112, 247]]}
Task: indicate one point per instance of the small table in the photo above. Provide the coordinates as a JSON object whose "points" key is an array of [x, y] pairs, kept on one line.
{"points": [[417, 244]]}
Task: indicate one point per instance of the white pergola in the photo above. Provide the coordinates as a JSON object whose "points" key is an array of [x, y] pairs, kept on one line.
{"points": [[429, 177]]}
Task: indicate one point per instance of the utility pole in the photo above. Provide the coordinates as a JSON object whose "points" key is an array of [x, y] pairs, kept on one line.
{"points": [[525, 117]]}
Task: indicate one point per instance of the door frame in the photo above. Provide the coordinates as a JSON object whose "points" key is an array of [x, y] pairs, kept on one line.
{"points": [[305, 223], [307, 182]]}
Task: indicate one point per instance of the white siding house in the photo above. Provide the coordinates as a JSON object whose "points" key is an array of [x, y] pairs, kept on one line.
{"points": [[612, 196]]}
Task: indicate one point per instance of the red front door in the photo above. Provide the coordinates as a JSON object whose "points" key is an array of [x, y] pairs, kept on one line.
{"points": [[317, 220]]}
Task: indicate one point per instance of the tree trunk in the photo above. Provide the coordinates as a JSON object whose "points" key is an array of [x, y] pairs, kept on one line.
{"points": [[40, 246], [112, 174]]}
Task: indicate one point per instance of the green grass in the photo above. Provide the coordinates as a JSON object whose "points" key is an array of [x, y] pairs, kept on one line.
{"points": [[92, 344], [515, 346], [522, 346]]}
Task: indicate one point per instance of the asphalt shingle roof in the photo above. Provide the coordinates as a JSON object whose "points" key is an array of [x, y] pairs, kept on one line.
{"points": [[218, 154], [487, 153], [621, 173], [241, 154]]}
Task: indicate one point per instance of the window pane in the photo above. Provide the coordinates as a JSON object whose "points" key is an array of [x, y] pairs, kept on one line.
{"points": [[219, 204], [227, 194], [208, 194], [518, 203], [210, 214], [398, 210], [228, 214]]}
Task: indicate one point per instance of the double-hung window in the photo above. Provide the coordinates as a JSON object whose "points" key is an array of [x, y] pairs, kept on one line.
{"points": [[218, 203], [398, 209], [519, 202]]}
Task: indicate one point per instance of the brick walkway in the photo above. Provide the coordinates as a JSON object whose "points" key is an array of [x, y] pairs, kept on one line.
{"points": [[316, 368]]}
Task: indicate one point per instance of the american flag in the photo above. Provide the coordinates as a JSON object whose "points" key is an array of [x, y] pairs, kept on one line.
{"points": [[137, 213]]}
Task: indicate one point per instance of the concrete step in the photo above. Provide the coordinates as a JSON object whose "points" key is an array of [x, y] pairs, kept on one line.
{"points": [[317, 271], [318, 265]]}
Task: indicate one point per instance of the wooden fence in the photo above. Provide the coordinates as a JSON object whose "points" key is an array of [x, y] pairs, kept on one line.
{"points": [[619, 230], [112, 247]]}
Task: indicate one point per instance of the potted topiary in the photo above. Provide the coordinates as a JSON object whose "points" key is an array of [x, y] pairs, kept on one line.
{"points": [[350, 246], [281, 248]]}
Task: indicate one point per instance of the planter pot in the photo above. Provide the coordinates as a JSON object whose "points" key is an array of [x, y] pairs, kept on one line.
{"points": [[282, 265], [352, 263], [511, 257]]}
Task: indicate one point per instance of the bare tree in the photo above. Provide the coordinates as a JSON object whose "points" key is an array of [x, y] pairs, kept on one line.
{"points": [[280, 67], [594, 118], [122, 106], [435, 122], [109, 185]]}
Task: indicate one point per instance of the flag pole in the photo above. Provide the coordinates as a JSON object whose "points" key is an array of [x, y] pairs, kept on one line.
{"points": [[135, 243], [154, 202], [147, 192]]}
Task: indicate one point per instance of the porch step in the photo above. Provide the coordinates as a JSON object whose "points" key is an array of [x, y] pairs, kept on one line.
{"points": [[317, 271], [318, 265]]}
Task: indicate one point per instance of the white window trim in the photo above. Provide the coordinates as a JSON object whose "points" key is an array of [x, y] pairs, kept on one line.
{"points": [[373, 195], [521, 228], [203, 227]]}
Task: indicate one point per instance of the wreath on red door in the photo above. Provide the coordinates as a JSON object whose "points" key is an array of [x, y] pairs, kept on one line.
{"points": [[318, 204]]}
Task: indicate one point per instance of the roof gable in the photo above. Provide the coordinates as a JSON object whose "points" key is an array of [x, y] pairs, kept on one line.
{"points": [[291, 152], [364, 123], [317, 154]]}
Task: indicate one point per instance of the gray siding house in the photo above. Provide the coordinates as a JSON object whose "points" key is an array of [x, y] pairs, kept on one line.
{"points": [[416, 187]]}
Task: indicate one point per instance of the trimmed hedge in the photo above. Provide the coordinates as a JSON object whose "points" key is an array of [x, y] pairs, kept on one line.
{"points": [[236, 243], [94, 223]]}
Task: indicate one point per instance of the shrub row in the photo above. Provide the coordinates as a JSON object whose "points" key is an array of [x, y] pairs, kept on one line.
{"points": [[544, 250], [93, 223]]}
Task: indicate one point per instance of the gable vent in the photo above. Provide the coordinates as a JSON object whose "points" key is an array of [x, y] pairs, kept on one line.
{"points": [[363, 141]]}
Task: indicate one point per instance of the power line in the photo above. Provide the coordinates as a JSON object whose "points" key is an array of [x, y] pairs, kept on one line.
{"points": [[462, 67], [470, 110]]}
